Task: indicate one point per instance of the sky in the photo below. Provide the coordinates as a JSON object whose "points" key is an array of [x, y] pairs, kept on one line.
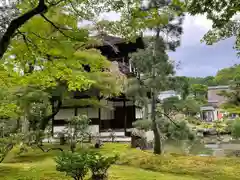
{"points": [[198, 59]]}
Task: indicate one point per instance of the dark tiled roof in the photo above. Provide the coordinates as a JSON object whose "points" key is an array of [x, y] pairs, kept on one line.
{"points": [[112, 40]]}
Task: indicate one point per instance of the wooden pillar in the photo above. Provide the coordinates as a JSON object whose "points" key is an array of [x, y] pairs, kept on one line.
{"points": [[125, 116], [75, 111], [99, 116], [52, 133]]}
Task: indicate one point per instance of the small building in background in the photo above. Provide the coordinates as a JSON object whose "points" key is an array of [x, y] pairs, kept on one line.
{"points": [[212, 111]]}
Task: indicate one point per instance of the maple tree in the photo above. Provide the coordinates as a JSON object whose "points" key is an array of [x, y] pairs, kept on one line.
{"points": [[50, 56]]}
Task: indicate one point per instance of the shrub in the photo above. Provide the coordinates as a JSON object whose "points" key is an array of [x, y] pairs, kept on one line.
{"points": [[73, 164], [77, 130], [99, 165], [229, 124], [236, 129], [193, 120], [76, 165]]}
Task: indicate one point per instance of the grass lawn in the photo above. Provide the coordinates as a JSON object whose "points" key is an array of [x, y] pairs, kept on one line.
{"points": [[133, 165]]}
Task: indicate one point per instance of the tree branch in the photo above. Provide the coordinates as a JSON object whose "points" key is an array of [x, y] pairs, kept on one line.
{"points": [[56, 3], [17, 23], [169, 119], [28, 42], [43, 38], [25, 39], [45, 121], [49, 149], [6, 150], [56, 27]]}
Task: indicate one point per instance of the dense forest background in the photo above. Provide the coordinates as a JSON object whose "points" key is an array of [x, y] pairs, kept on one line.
{"points": [[223, 77]]}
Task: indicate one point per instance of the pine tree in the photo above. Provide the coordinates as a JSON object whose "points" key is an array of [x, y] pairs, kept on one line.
{"points": [[155, 68], [164, 19]]}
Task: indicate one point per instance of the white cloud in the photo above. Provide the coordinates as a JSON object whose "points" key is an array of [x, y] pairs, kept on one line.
{"points": [[194, 27], [202, 22], [237, 16], [110, 16]]}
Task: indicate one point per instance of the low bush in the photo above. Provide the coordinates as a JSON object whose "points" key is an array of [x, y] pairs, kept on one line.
{"points": [[77, 164], [73, 164], [193, 120], [99, 165]]}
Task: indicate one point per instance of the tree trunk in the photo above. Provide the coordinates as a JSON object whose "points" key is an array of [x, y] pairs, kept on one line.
{"points": [[156, 131], [17, 23], [6, 150], [44, 122], [73, 147], [99, 177], [157, 136], [25, 125]]}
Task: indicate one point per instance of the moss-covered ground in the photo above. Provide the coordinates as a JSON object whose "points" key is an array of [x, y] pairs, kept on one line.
{"points": [[133, 165]]}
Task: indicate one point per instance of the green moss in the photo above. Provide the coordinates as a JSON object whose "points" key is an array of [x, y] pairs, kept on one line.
{"points": [[133, 165]]}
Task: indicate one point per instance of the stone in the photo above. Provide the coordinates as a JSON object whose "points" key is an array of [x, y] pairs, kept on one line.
{"points": [[138, 139]]}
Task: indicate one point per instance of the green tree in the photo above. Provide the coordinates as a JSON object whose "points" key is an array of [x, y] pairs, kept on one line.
{"points": [[45, 56], [174, 105], [163, 18], [208, 81], [189, 107], [181, 84], [53, 58], [235, 129], [155, 68], [19, 13], [226, 75], [232, 96], [170, 105], [225, 25], [77, 130], [200, 92]]}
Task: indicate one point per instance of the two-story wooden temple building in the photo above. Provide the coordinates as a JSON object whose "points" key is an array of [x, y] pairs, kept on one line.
{"points": [[123, 111]]}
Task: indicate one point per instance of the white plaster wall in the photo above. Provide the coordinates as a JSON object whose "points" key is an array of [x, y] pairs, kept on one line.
{"points": [[58, 129], [90, 112], [109, 133], [127, 103], [107, 114], [93, 112], [64, 114], [82, 111], [139, 113], [149, 109], [215, 115], [105, 102], [149, 135], [93, 129]]}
